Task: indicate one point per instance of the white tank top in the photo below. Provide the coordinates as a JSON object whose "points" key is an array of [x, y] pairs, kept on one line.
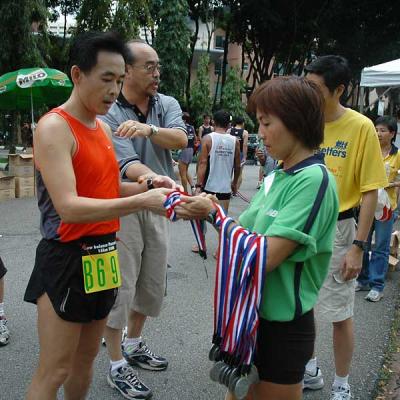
{"points": [[222, 155]]}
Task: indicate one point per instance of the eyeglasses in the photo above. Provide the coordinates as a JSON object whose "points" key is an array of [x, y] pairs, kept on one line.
{"points": [[149, 68]]}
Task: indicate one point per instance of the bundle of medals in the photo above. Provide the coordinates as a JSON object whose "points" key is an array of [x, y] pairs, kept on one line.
{"points": [[239, 281]]}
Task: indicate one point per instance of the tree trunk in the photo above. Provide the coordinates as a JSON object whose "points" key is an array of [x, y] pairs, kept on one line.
{"points": [[225, 59], [193, 41]]}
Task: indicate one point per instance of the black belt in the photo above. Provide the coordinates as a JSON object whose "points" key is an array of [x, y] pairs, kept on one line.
{"points": [[350, 213]]}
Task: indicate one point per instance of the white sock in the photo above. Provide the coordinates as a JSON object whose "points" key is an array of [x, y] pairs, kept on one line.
{"points": [[342, 381], [1, 309], [133, 342], [311, 366], [116, 364]]}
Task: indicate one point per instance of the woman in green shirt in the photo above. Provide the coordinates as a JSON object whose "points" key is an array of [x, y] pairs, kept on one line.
{"points": [[296, 208]]}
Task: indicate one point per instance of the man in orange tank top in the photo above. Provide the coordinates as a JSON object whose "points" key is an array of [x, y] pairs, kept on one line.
{"points": [[76, 274]]}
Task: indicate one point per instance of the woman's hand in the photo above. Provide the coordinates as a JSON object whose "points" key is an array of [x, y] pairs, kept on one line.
{"points": [[196, 207]]}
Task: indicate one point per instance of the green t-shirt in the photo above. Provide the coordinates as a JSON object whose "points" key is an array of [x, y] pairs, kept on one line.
{"points": [[282, 209]]}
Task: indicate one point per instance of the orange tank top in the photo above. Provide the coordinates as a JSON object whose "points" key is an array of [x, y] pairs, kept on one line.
{"points": [[97, 176]]}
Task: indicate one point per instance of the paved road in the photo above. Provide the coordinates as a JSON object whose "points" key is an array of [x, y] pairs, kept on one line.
{"points": [[183, 331]]}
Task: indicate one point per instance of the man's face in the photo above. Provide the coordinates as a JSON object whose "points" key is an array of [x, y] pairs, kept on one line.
{"points": [[144, 74], [99, 88]]}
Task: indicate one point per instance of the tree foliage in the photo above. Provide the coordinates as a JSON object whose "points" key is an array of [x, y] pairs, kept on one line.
{"points": [[94, 15], [19, 47], [200, 100], [171, 43], [231, 99]]}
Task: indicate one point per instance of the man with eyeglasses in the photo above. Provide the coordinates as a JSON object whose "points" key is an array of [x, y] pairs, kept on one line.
{"points": [[154, 122]]}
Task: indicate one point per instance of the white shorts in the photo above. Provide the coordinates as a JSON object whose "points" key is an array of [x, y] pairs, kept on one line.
{"points": [[336, 297]]}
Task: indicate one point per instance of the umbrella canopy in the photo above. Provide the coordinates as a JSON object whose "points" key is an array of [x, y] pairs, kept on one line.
{"points": [[33, 87]]}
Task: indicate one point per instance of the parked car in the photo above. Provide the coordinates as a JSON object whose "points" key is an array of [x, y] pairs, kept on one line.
{"points": [[252, 145]]}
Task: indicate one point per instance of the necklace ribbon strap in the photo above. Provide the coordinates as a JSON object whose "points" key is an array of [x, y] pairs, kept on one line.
{"points": [[240, 275], [198, 226]]}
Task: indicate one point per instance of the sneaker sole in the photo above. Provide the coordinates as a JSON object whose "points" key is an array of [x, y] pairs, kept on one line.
{"points": [[315, 386], [114, 386], [373, 300], [147, 366]]}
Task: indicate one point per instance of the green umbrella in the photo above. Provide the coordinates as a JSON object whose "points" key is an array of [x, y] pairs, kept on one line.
{"points": [[25, 88]]}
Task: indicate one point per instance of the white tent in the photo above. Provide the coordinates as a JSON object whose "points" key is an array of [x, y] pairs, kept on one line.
{"points": [[386, 74]]}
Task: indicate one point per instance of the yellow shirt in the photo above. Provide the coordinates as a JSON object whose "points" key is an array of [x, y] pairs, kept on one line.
{"points": [[392, 165], [353, 155]]}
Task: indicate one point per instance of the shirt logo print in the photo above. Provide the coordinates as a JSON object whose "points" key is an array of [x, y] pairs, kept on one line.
{"points": [[339, 150]]}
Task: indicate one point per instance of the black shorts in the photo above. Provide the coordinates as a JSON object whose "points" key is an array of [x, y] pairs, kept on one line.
{"points": [[3, 269], [58, 272], [284, 348], [219, 196]]}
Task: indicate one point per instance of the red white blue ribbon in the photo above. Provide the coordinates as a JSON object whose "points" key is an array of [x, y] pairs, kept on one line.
{"points": [[198, 226]]}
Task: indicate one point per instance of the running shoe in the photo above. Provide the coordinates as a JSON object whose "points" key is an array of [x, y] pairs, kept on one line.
{"points": [[126, 381], [4, 332], [340, 393], [374, 295], [142, 357], [361, 288], [313, 382]]}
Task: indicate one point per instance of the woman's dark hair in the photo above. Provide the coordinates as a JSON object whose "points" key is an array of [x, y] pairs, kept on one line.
{"points": [[390, 123], [334, 70], [238, 121], [86, 47], [297, 102]]}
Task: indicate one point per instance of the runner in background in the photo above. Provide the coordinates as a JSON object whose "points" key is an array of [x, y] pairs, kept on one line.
{"points": [[238, 131], [186, 155]]}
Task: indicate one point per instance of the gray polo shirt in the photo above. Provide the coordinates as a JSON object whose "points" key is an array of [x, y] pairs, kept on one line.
{"points": [[164, 112]]}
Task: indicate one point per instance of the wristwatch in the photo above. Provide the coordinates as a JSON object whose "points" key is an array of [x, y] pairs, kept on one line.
{"points": [[212, 215], [154, 130], [362, 245], [149, 183]]}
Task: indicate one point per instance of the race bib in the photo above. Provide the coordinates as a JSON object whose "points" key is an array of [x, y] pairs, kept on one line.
{"points": [[101, 267]]}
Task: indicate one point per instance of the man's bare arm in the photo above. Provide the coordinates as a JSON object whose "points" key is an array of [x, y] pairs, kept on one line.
{"points": [[202, 163], [54, 146]]}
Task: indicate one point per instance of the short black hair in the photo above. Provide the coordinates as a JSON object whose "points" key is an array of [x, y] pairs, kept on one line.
{"points": [[238, 121], [334, 70], [389, 122], [222, 118], [86, 47]]}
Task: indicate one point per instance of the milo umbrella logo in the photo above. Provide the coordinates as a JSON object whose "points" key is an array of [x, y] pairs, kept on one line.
{"points": [[25, 81]]}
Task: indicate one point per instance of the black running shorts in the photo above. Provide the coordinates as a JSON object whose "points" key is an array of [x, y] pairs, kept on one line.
{"points": [[284, 348], [58, 272], [219, 196], [3, 269]]}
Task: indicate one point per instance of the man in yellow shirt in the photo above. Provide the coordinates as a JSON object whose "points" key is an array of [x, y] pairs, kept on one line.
{"points": [[352, 154]]}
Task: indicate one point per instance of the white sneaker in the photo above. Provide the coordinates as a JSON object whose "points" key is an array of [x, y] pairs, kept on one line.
{"points": [[4, 332], [374, 295], [313, 382], [340, 393]]}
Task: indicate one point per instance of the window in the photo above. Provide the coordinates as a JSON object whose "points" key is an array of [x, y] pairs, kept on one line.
{"points": [[218, 67], [219, 42]]}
